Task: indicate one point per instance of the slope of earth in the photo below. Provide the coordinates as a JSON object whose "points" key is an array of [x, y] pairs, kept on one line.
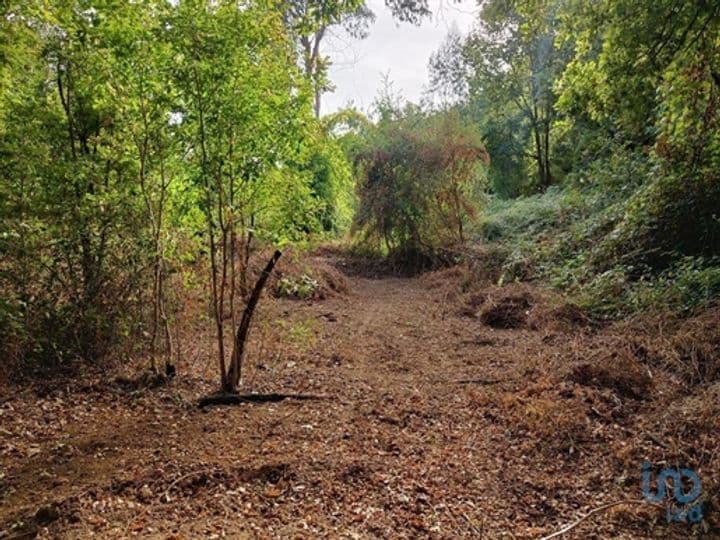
{"points": [[440, 414]]}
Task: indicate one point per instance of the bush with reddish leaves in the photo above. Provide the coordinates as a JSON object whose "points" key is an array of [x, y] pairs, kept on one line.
{"points": [[419, 185]]}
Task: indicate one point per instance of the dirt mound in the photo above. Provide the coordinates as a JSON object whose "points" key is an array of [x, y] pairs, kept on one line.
{"points": [[485, 265], [517, 305], [472, 305], [306, 277], [478, 268], [688, 347], [571, 314], [507, 307], [566, 318], [333, 279], [624, 378], [452, 276], [507, 312]]}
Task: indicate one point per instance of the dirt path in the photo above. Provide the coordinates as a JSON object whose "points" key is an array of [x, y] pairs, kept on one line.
{"points": [[434, 425]]}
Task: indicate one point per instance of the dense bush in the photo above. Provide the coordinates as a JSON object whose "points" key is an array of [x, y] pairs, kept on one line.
{"points": [[418, 185], [671, 217]]}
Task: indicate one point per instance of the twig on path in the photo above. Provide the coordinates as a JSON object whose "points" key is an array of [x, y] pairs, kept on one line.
{"points": [[485, 382], [166, 495], [654, 438], [236, 399], [597, 511]]}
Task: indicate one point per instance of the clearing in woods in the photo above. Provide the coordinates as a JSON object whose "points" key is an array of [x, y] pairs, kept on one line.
{"points": [[435, 421]]}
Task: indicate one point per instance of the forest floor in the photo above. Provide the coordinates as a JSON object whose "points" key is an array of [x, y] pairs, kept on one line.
{"points": [[441, 414]]}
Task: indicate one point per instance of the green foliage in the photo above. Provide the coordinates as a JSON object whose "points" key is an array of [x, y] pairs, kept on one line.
{"points": [[622, 48], [504, 73], [690, 282], [290, 210], [68, 190], [528, 216], [619, 246], [303, 287], [331, 185], [670, 216], [136, 137], [301, 334], [627, 96]]}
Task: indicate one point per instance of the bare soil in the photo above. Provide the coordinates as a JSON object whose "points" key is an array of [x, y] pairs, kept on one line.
{"points": [[442, 413]]}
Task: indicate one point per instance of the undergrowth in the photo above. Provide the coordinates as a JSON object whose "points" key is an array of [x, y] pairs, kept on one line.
{"points": [[603, 238]]}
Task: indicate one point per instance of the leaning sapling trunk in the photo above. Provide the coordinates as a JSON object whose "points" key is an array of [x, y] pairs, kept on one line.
{"points": [[233, 377]]}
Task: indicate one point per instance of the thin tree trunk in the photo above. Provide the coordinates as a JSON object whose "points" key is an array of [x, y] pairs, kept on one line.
{"points": [[156, 313], [166, 326], [233, 273], [217, 314], [164, 184], [219, 328], [539, 156], [318, 97], [246, 254], [311, 52], [548, 175]]}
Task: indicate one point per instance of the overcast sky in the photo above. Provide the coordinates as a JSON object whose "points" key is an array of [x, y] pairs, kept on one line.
{"points": [[400, 49]]}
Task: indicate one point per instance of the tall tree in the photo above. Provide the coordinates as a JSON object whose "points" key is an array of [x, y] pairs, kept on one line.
{"points": [[311, 21], [515, 63], [506, 70]]}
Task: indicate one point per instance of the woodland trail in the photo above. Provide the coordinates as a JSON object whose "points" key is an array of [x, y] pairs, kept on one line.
{"points": [[432, 426]]}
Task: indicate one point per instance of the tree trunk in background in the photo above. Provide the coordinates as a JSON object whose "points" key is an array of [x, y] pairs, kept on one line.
{"points": [[316, 106], [311, 53], [547, 123]]}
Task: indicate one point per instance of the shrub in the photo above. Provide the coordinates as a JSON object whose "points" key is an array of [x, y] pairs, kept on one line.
{"points": [[416, 185], [671, 216], [303, 287]]}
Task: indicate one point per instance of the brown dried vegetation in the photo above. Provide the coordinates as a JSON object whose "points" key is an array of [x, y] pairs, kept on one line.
{"points": [[436, 424]]}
